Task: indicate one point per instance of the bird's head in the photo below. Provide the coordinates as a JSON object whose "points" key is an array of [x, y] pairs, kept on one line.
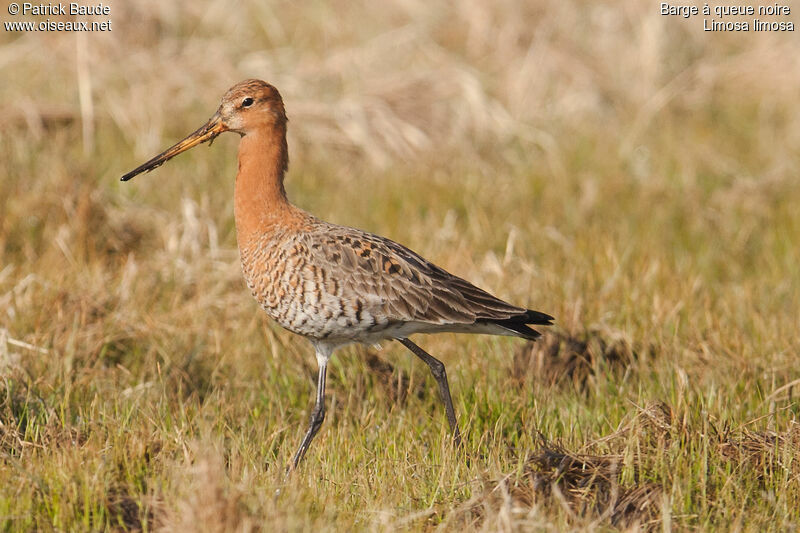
{"points": [[247, 107]]}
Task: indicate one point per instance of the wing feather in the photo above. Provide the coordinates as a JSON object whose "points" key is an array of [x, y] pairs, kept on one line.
{"points": [[398, 284]]}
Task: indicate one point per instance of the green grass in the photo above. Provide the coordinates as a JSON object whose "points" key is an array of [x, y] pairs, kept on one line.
{"points": [[621, 171]]}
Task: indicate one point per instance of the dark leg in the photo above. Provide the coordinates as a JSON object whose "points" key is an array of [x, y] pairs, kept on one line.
{"points": [[439, 373], [317, 416]]}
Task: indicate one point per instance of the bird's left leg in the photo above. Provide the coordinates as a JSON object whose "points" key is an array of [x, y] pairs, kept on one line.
{"points": [[439, 373]]}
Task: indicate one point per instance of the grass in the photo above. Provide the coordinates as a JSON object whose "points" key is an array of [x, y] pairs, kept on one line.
{"points": [[626, 172]]}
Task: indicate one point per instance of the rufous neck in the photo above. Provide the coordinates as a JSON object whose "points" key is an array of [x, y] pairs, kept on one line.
{"points": [[259, 198]]}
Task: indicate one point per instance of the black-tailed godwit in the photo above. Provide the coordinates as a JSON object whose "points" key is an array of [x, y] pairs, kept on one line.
{"points": [[335, 285]]}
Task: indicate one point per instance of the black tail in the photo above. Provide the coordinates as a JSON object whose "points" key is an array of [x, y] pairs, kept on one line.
{"points": [[519, 324]]}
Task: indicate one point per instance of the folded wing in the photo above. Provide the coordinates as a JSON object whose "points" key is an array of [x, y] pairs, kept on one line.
{"points": [[396, 285]]}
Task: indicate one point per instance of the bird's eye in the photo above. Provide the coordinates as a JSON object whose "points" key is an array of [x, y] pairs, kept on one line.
{"points": [[247, 102]]}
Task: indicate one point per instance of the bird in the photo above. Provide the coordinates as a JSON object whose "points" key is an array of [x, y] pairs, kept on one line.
{"points": [[331, 284]]}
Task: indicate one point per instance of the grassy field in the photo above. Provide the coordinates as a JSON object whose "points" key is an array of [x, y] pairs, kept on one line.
{"points": [[626, 172]]}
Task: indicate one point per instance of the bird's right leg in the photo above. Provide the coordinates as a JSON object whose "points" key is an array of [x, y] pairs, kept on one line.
{"points": [[317, 414]]}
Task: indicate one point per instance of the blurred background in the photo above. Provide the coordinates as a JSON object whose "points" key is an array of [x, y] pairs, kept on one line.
{"points": [[626, 172]]}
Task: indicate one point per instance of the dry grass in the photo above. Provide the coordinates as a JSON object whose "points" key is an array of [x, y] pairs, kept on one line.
{"points": [[626, 172]]}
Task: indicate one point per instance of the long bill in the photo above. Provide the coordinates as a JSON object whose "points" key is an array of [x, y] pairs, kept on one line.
{"points": [[207, 132]]}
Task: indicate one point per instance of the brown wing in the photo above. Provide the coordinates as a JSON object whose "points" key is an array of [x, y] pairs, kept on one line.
{"points": [[395, 284]]}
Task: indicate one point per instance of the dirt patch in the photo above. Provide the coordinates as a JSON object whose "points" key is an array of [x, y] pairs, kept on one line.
{"points": [[588, 488], [125, 511], [589, 485], [563, 358], [600, 484], [395, 382], [129, 503]]}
